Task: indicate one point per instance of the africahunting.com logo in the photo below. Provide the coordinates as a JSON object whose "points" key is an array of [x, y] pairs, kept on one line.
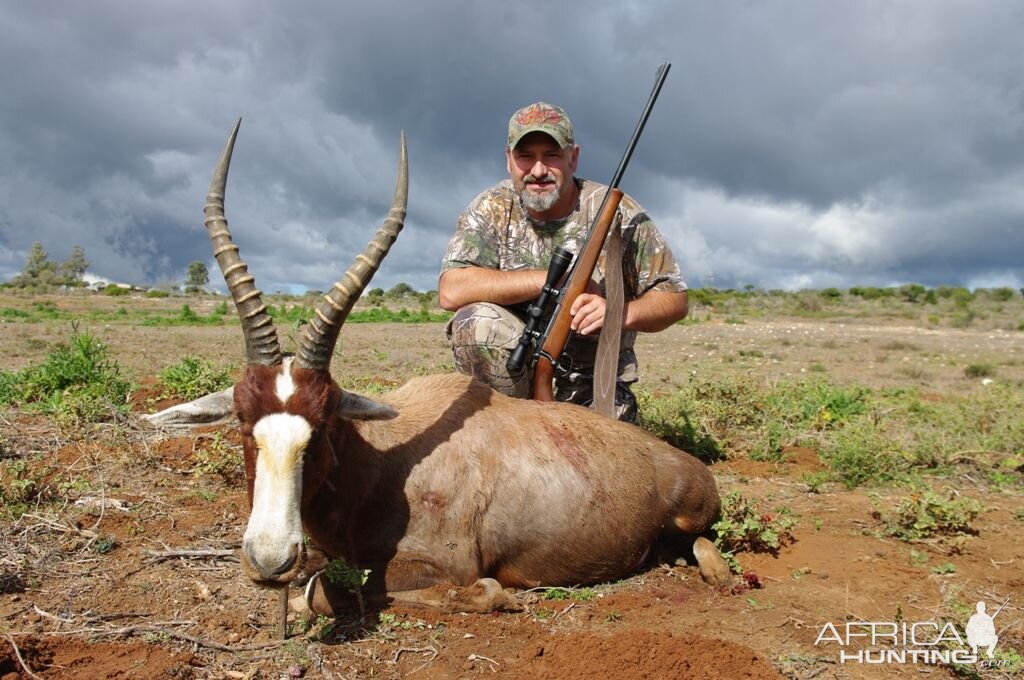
{"points": [[918, 642]]}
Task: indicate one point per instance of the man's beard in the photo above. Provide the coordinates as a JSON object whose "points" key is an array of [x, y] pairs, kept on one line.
{"points": [[539, 202]]}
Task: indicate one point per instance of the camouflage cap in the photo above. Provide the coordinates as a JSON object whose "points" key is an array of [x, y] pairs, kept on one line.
{"points": [[540, 117]]}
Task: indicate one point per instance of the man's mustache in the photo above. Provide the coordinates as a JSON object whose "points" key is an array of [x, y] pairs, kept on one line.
{"points": [[530, 179]]}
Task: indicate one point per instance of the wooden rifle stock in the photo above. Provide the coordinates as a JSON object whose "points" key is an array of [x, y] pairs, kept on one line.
{"points": [[583, 269]]}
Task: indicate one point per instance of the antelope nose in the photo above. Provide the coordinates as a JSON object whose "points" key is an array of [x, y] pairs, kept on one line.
{"points": [[270, 567]]}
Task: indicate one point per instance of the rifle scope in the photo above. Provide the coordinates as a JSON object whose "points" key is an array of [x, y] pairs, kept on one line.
{"points": [[560, 260]]}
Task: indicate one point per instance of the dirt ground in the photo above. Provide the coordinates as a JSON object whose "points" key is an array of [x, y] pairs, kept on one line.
{"points": [[135, 574]]}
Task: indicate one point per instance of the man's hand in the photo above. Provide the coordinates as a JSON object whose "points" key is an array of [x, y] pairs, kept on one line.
{"points": [[588, 313], [588, 310], [651, 312]]}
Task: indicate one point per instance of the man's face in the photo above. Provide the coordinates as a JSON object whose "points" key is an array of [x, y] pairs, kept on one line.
{"points": [[541, 171]]}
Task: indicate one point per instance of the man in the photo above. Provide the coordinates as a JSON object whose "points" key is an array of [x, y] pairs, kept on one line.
{"points": [[497, 261]]}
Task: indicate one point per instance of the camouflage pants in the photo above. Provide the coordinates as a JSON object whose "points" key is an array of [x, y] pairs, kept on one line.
{"points": [[483, 335]]}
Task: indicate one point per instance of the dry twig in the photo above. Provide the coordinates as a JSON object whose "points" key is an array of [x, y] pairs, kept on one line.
{"points": [[191, 554], [17, 653]]}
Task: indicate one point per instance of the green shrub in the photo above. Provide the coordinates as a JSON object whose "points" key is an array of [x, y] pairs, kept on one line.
{"points": [[913, 292], [186, 317], [77, 382], [859, 453], [218, 457], [927, 514], [11, 313], [283, 314], [385, 315], [20, 489], [115, 290], [667, 418], [154, 293], [1001, 294], [193, 377], [746, 526], [872, 293], [979, 371], [702, 296]]}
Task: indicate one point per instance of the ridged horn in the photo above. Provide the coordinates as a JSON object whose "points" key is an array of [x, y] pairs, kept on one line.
{"points": [[321, 332], [261, 346]]}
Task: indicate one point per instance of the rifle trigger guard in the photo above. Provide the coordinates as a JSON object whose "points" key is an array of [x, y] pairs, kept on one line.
{"points": [[560, 369]]}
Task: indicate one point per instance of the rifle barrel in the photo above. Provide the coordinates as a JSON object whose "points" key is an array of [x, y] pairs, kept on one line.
{"points": [[659, 80]]}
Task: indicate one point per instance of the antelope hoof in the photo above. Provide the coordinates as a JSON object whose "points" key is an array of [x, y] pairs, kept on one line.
{"points": [[484, 596], [713, 568]]}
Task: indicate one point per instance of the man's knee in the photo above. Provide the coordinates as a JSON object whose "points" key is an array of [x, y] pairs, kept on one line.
{"points": [[482, 336], [484, 324]]}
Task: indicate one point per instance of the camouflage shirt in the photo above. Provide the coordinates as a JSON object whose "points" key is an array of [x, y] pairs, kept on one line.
{"points": [[495, 232]]}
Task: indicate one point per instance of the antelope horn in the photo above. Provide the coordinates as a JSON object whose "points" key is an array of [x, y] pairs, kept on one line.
{"points": [[321, 333], [261, 345]]}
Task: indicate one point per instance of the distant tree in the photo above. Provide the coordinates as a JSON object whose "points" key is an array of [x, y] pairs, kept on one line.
{"points": [[832, 293], [41, 273], [1001, 294], [73, 269], [37, 262], [400, 290], [913, 292], [196, 276], [38, 271]]}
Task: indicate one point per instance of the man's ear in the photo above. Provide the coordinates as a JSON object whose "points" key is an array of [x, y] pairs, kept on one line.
{"points": [[508, 160], [574, 158], [357, 407]]}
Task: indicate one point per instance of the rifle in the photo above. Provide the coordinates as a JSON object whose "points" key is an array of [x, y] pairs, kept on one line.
{"points": [[544, 348]]}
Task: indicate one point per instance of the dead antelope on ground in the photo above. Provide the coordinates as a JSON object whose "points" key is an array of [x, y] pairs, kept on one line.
{"points": [[444, 482]]}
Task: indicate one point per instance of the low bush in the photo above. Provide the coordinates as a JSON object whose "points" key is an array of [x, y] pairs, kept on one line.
{"points": [[193, 377], [78, 383]]}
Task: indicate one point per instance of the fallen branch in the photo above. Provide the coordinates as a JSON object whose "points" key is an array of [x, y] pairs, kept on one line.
{"points": [[17, 653], [161, 555], [417, 650]]}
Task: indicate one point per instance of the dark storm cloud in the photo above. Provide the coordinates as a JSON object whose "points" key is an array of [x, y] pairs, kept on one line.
{"points": [[795, 143]]}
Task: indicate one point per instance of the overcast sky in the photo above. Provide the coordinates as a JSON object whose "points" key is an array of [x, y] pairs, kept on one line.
{"points": [[795, 144]]}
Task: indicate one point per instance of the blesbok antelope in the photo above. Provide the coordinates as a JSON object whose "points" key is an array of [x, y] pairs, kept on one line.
{"points": [[443, 481]]}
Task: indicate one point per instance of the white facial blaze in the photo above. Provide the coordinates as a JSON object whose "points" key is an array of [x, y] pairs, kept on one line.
{"points": [[284, 386], [275, 524]]}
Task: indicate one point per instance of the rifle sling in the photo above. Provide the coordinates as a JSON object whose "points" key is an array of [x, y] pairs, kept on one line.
{"points": [[606, 363]]}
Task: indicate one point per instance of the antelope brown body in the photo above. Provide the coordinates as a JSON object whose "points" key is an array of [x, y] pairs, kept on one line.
{"points": [[444, 481]]}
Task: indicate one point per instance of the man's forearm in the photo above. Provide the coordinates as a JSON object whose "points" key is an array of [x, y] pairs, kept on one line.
{"points": [[655, 311], [465, 285]]}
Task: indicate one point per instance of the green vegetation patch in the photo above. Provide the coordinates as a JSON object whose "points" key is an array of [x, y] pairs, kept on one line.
{"points": [[77, 383], [186, 316], [863, 436], [193, 377], [928, 514], [381, 314], [745, 526]]}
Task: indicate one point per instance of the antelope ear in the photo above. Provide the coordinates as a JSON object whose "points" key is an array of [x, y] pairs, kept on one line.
{"points": [[213, 408], [357, 407]]}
